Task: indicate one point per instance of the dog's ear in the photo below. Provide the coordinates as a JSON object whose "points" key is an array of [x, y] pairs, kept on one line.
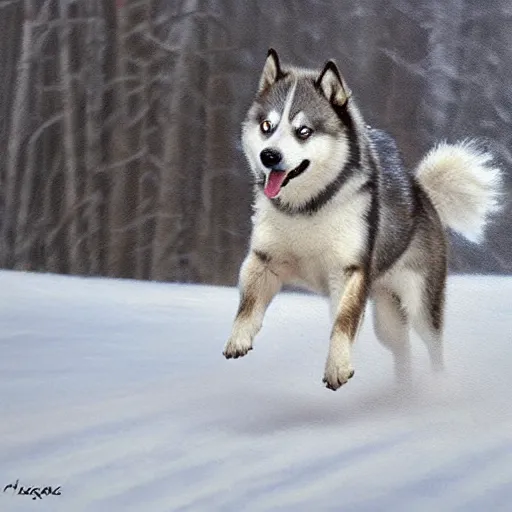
{"points": [[271, 71], [332, 85]]}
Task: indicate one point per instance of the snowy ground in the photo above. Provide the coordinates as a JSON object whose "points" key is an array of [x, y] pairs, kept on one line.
{"points": [[117, 392]]}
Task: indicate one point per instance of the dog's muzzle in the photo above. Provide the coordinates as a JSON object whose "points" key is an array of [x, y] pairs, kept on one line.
{"points": [[278, 178]]}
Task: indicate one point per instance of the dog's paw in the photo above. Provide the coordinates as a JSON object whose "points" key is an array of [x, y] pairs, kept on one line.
{"points": [[337, 373], [237, 348]]}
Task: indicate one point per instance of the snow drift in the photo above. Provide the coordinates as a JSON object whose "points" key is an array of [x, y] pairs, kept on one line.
{"points": [[117, 392]]}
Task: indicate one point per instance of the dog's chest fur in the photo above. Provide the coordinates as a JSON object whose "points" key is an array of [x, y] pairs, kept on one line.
{"points": [[312, 250]]}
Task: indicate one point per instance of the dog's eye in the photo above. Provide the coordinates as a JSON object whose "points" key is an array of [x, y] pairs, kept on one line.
{"points": [[266, 126], [304, 132]]}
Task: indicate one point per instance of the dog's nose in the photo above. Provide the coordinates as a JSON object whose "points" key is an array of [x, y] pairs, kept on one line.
{"points": [[270, 157]]}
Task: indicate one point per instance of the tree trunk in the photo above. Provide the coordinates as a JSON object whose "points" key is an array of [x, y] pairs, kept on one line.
{"points": [[94, 84], [71, 199], [19, 114]]}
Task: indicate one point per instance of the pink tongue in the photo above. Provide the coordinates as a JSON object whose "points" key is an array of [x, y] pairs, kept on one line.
{"points": [[274, 182]]}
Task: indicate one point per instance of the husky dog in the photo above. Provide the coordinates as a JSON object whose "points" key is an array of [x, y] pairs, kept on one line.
{"points": [[337, 213]]}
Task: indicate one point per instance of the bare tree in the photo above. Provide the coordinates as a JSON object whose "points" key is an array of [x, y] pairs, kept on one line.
{"points": [[95, 41], [18, 132]]}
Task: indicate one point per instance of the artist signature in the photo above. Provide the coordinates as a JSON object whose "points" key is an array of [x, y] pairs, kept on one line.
{"points": [[35, 492]]}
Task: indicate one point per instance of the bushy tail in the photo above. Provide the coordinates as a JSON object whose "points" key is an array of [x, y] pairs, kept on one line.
{"points": [[463, 185]]}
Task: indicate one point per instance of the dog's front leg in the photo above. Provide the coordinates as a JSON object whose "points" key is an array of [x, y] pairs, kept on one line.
{"points": [[347, 319], [258, 286]]}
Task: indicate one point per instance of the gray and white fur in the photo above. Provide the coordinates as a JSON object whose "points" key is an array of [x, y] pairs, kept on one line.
{"points": [[336, 212]]}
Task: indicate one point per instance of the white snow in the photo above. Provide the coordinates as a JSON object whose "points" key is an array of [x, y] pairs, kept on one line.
{"points": [[117, 391]]}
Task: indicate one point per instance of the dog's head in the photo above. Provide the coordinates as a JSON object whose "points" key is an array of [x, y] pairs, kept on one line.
{"points": [[296, 135]]}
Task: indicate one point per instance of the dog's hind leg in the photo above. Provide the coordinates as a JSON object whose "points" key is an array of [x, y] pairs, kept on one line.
{"points": [[258, 286], [428, 320], [392, 329]]}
